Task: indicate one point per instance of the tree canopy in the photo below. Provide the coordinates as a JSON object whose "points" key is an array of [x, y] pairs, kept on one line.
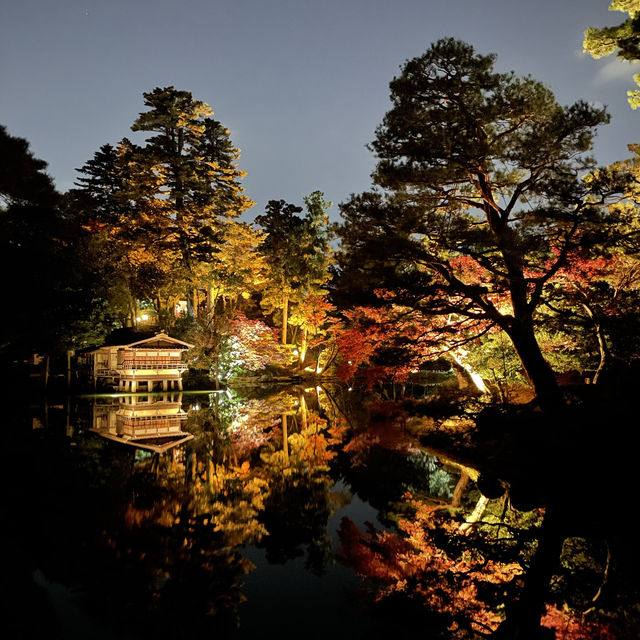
{"points": [[622, 39], [480, 201], [52, 304]]}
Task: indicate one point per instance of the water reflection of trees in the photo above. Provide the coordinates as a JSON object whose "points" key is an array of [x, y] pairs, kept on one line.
{"points": [[157, 541], [476, 566], [154, 553]]}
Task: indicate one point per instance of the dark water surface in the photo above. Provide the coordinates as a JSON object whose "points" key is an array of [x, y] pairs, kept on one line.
{"points": [[308, 512]]}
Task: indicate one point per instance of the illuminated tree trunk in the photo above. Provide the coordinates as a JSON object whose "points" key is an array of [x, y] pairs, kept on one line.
{"points": [[520, 328], [45, 374], [285, 319], [465, 373], [192, 303], [602, 343], [132, 309], [459, 490], [477, 513], [303, 345]]}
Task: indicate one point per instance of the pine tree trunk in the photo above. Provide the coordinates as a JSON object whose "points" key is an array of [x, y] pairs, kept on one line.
{"points": [[537, 369], [602, 343]]}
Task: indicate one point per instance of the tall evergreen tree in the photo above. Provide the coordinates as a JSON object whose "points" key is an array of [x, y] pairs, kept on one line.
{"points": [[200, 186], [297, 251], [481, 200], [165, 203], [281, 248]]}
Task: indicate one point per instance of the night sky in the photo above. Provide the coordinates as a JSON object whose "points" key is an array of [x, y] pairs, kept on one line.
{"points": [[301, 84]]}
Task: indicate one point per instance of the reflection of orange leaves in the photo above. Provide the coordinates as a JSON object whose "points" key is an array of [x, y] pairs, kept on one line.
{"points": [[414, 563], [316, 450], [384, 436], [569, 626], [387, 430], [163, 514], [337, 431]]}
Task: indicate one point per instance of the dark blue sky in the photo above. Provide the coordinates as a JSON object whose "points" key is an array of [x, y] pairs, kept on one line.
{"points": [[301, 84]]}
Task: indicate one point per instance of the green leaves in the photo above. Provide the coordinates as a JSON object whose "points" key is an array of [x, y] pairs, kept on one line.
{"points": [[623, 40]]}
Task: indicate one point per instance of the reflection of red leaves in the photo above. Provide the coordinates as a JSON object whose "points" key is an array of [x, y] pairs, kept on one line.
{"points": [[388, 430], [253, 426], [368, 555], [568, 626], [412, 563], [248, 439], [379, 436]]}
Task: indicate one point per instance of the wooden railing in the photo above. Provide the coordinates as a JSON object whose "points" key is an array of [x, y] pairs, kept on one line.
{"points": [[157, 364], [159, 422]]}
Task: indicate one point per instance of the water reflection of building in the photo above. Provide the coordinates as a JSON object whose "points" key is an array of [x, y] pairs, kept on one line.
{"points": [[151, 422], [150, 364]]}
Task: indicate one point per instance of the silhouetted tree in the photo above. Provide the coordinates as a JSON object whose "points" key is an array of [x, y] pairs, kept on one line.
{"points": [[481, 199]]}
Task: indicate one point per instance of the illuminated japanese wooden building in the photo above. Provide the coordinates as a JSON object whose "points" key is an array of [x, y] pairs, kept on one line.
{"points": [[151, 364], [153, 423]]}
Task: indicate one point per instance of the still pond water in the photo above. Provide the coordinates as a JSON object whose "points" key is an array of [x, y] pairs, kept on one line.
{"points": [[315, 512]]}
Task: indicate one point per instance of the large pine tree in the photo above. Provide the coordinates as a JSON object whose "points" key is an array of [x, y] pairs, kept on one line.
{"points": [[167, 201], [480, 199]]}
